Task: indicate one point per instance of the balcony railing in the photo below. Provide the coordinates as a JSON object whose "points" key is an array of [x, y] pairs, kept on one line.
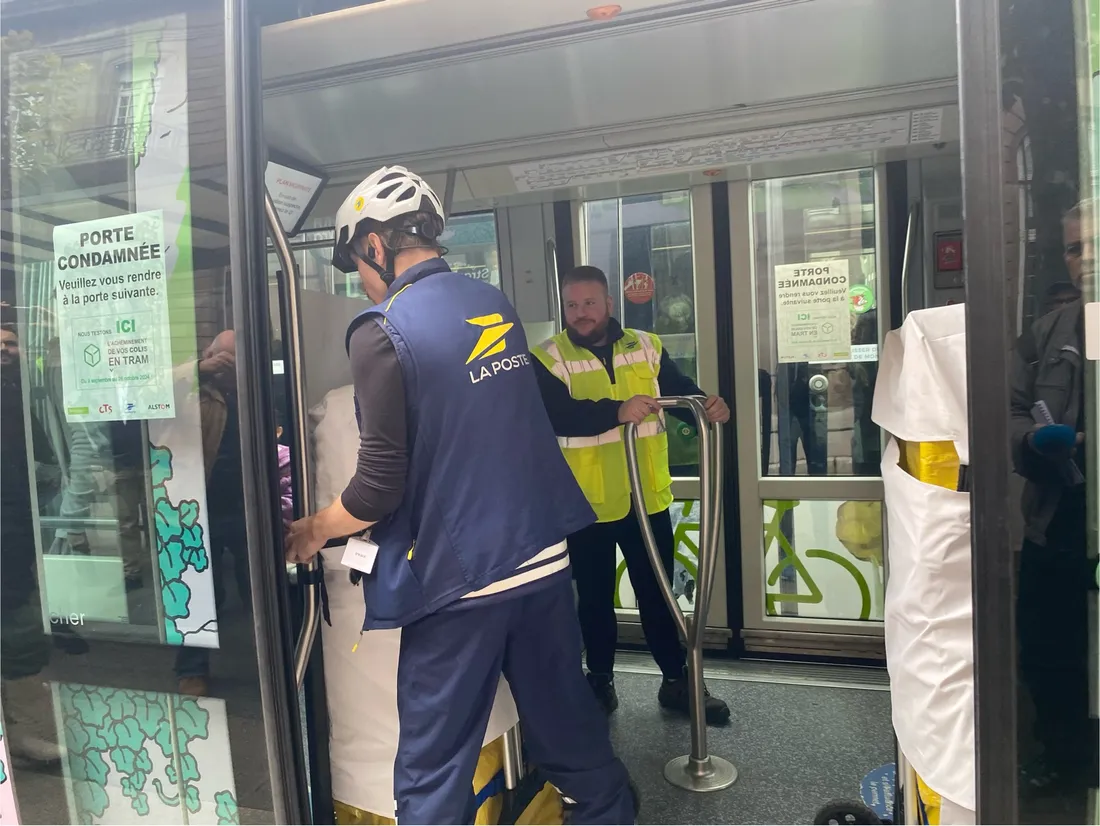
{"points": [[97, 144]]}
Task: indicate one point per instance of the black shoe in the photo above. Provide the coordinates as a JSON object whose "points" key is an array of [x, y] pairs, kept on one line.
{"points": [[675, 695], [603, 686]]}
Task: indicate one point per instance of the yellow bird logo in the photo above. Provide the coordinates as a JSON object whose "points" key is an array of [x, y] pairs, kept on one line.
{"points": [[491, 341]]}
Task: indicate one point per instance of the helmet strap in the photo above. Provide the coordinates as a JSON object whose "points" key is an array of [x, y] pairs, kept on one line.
{"points": [[384, 272]]}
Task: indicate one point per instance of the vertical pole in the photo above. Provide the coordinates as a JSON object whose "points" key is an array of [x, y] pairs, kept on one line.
{"points": [[697, 771], [512, 764], [990, 333], [449, 192], [244, 126]]}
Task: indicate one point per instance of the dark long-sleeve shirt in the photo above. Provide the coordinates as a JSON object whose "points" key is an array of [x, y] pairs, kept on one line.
{"points": [[583, 417], [378, 486]]}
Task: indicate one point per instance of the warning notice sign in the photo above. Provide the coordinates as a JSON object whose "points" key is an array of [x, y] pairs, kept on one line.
{"points": [[812, 312], [112, 308]]}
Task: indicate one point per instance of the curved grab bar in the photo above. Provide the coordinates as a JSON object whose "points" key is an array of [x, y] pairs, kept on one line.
{"points": [[906, 259], [698, 771], [292, 330], [553, 285]]}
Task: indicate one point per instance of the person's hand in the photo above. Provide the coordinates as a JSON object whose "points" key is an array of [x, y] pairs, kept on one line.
{"points": [[302, 543], [718, 411], [636, 408], [1056, 441], [218, 363]]}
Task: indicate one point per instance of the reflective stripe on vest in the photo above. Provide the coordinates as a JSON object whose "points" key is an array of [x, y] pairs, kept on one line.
{"points": [[599, 462]]}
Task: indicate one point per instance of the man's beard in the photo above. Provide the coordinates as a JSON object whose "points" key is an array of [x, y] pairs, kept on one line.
{"points": [[599, 332], [10, 372]]}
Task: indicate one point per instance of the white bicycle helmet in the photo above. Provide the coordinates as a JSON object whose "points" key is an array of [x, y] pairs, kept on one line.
{"points": [[384, 195]]}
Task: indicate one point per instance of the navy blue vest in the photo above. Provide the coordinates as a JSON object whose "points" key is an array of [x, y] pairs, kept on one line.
{"points": [[487, 486]]}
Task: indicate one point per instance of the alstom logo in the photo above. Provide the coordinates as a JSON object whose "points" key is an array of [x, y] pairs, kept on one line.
{"points": [[491, 341]]}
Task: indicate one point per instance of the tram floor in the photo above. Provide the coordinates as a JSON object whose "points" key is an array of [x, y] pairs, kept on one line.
{"points": [[800, 736]]}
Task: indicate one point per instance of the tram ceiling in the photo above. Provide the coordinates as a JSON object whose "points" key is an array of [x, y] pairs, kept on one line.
{"points": [[708, 68]]}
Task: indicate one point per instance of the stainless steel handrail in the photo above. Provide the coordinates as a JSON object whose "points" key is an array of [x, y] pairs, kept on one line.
{"points": [[512, 763], [78, 523], [906, 260], [292, 331], [553, 285], [698, 771]]}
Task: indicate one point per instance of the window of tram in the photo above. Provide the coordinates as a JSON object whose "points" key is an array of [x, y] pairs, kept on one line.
{"points": [[471, 241], [130, 692], [649, 238], [817, 332], [643, 244], [1051, 125], [817, 323]]}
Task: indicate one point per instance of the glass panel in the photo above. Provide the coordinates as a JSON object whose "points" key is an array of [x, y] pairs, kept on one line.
{"points": [[823, 559], [130, 688], [1051, 92], [471, 239], [649, 239], [817, 323], [685, 534], [472, 244]]}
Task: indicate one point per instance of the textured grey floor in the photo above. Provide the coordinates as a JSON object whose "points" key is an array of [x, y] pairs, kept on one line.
{"points": [[795, 746]]}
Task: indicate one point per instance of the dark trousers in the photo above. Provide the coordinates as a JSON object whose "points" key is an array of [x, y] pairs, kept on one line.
{"points": [[447, 676], [592, 552], [1052, 622]]}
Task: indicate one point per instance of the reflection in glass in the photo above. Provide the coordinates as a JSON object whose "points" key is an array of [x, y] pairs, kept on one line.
{"points": [[823, 559], [820, 423], [472, 244], [685, 533], [128, 661], [1050, 94]]}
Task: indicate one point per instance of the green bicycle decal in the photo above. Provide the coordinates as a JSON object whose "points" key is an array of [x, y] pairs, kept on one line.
{"points": [[789, 558], [683, 542]]}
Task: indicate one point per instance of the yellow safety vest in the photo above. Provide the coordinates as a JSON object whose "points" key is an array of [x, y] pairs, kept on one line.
{"points": [[599, 462]]}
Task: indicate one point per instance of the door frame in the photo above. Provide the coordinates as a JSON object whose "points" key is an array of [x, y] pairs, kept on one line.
{"points": [[271, 597], [718, 632], [857, 639]]}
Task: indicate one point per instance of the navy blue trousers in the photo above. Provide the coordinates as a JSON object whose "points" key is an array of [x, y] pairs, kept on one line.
{"points": [[447, 676]]}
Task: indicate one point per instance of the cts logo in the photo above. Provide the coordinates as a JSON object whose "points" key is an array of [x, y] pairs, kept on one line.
{"points": [[106, 408], [491, 341]]}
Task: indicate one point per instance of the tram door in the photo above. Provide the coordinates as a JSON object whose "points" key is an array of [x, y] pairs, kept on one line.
{"points": [[811, 255], [809, 486], [140, 548]]}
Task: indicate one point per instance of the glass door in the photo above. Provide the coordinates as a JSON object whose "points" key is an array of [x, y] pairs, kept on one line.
{"points": [[808, 297], [657, 251], [135, 688]]}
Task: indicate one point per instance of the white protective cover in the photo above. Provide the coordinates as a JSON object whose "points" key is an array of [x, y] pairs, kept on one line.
{"points": [[921, 396], [362, 686]]}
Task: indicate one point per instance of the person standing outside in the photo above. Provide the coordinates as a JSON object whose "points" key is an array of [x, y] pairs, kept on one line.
{"points": [[595, 376], [469, 503]]}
